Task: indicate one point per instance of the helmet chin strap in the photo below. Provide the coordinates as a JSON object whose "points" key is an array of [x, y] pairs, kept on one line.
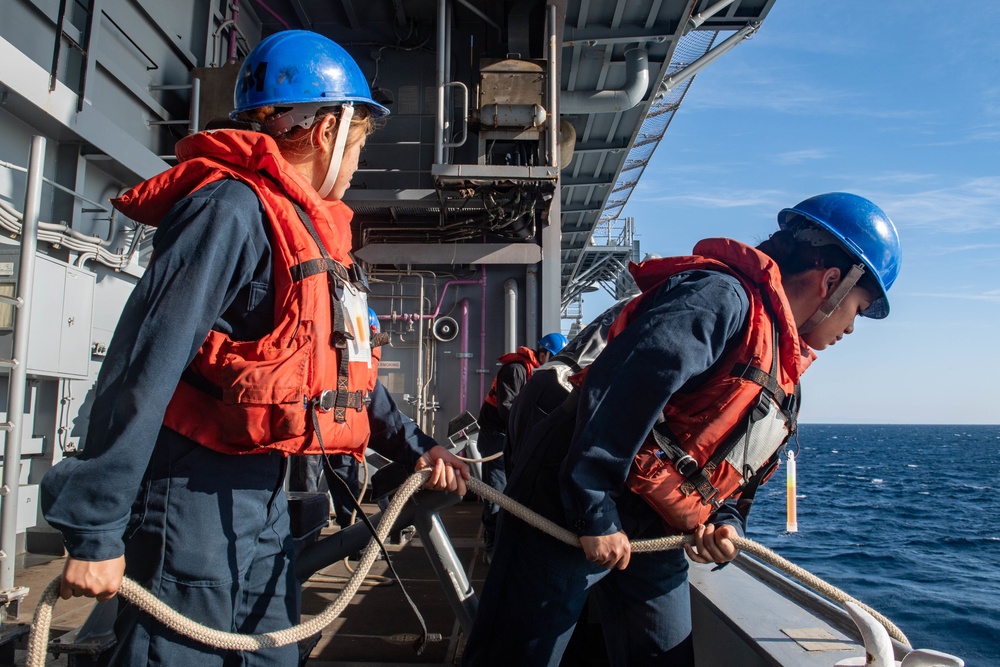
{"points": [[333, 170], [831, 302]]}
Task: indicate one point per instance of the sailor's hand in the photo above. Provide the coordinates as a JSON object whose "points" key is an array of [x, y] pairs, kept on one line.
{"points": [[713, 544], [448, 472], [99, 579], [611, 551]]}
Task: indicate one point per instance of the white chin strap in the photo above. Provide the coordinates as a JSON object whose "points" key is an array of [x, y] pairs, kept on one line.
{"points": [[830, 304], [343, 128]]}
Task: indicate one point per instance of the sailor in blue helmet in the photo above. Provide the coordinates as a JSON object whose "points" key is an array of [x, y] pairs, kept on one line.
{"points": [[516, 368], [226, 361], [653, 401]]}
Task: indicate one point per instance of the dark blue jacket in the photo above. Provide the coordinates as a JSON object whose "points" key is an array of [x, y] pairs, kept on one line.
{"points": [[689, 324], [211, 269]]}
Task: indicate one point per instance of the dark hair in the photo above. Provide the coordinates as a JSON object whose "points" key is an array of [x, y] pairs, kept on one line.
{"points": [[297, 140], [794, 256]]}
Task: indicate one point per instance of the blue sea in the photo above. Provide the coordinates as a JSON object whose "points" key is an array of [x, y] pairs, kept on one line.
{"points": [[905, 519]]}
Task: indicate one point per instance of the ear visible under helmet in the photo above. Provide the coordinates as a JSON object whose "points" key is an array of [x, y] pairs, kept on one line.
{"points": [[864, 231]]}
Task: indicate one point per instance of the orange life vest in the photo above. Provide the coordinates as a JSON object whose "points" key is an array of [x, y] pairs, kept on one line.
{"points": [[523, 355], [709, 422], [241, 397]]}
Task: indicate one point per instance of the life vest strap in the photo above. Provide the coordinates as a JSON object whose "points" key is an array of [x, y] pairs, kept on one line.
{"points": [[340, 333], [331, 399], [761, 377], [319, 265], [201, 384]]}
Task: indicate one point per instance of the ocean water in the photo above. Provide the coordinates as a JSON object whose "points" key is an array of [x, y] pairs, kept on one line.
{"points": [[904, 518]]}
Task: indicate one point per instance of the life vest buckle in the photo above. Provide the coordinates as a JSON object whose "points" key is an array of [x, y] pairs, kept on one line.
{"points": [[713, 499], [687, 466], [340, 339], [327, 400]]}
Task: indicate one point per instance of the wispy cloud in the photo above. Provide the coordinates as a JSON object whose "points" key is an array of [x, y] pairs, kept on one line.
{"points": [[723, 198], [992, 296], [962, 249], [787, 90], [973, 206], [800, 156], [966, 207]]}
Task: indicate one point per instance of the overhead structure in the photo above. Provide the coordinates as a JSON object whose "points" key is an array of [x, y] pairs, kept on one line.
{"points": [[513, 122], [495, 192]]}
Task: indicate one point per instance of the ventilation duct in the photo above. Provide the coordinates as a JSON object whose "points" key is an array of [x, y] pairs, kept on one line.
{"points": [[611, 101]]}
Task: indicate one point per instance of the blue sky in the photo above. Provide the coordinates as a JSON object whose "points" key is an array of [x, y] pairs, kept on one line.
{"points": [[898, 102]]}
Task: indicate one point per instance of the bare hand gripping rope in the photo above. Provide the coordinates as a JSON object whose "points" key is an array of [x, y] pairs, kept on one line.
{"points": [[142, 598]]}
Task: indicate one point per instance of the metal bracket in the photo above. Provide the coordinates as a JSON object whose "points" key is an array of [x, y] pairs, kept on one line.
{"points": [[10, 600]]}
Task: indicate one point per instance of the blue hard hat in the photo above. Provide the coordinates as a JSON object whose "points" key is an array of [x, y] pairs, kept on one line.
{"points": [[300, 67], [373, 320], [553, 342], [863, 229]]}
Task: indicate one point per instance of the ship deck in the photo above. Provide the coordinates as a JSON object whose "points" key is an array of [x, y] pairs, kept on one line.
{"points": [[377, 628]]}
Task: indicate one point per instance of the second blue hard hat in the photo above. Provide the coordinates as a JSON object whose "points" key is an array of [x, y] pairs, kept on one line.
{"points": [[553, 342], [863, 229], [300, 67]]}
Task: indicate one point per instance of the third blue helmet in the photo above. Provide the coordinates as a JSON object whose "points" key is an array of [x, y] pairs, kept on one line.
{"points": [[863, 229], [553, 342], [300, 67], [373, 321]]}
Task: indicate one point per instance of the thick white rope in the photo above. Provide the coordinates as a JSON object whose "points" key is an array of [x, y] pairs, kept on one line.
{"points": [[38, 639]]}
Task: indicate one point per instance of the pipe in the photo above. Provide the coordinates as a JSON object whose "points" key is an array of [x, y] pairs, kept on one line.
{"points": [[421, 389], [683, 75], [463, 364], [552, 140], [233, 32], [531, 303], [612, 101], [510, 315], [475, 10], [274, 14], [215, 41], [422, 385], [439, 79], [482, 337], [195, 104], [19, 370], [695, 21]]}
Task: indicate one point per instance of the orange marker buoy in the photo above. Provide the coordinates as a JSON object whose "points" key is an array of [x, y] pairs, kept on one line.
{"points": [[791, 524]]}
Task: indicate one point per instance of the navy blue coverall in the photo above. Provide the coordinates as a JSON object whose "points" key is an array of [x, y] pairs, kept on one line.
{"points": [[537, 586], [207, 533], [493, 438]]}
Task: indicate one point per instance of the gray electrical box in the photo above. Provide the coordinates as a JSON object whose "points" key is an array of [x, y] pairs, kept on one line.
{"points": [[62, 313]]}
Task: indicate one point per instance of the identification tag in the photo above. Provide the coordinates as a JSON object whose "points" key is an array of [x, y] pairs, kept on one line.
{"points": [[355, 304]]}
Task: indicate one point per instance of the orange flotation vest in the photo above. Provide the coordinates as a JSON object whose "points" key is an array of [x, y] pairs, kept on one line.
{"points": [[522, 355], [712, 440], [316, 366]]}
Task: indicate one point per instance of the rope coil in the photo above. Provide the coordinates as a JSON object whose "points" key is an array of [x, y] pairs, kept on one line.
{"points": [[38, 639]]}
